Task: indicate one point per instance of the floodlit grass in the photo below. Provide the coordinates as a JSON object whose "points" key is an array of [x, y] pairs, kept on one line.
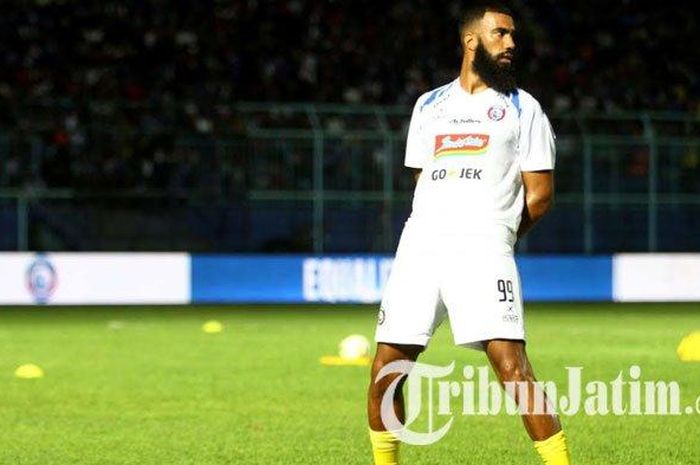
{"points": [[144, 385]]}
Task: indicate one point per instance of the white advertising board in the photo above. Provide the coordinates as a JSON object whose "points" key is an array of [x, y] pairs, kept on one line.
{"points": [[94, 278], [656, 277]]}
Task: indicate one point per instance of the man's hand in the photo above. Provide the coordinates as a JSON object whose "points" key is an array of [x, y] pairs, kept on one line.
{"points": [[539, 197]]}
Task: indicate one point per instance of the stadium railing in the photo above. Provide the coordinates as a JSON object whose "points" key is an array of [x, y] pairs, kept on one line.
{"points": [[329, 178]]}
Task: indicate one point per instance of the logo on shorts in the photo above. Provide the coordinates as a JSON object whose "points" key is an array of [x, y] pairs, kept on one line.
{"points": [[496, 113], [460, 144], [381, 316]]}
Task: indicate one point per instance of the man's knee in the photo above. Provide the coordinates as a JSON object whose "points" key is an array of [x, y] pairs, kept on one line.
{"points": [[384, 356], [513, 369], [509, 360]]}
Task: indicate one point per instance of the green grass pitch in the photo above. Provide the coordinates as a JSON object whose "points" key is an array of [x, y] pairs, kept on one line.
{"points": [[141, 385]]}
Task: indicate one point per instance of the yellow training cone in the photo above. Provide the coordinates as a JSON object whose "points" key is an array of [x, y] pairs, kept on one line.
{"points": [[689, 348], [29, 371], [334, 360], [212, 327]]}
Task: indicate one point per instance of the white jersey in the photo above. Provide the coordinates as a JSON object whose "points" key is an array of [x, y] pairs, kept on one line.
{"points": [[472, 149]]}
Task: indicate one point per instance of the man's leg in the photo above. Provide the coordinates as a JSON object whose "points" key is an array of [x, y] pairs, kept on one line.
{"points": [[510, 362], [385, 445]]}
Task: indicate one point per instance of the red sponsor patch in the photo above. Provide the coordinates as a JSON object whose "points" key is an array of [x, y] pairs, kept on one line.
{"points": [[460, 144]]}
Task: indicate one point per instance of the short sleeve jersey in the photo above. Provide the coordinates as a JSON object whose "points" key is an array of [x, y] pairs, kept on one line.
{"points": [[472, 149]]}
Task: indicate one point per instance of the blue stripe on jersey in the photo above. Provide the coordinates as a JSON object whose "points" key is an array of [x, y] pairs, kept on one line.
{"points": [[435, 94], [515, 98]]}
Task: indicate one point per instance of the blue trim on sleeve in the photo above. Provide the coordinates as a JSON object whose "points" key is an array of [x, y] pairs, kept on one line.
{"points": [[434, 95], [515, 98]]}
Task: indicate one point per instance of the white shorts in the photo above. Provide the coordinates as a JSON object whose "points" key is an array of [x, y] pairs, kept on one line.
{"points": [[473, 281]]}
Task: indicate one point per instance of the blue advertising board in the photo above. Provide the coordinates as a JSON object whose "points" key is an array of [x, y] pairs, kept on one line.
{"points": [[361, 278]]}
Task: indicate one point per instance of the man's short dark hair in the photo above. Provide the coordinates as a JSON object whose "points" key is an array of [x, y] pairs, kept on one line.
{"points": [[476, 10]]}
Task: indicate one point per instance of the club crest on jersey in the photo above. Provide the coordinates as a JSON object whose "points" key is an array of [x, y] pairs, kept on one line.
{"points": [[496, 113], [460, 144]]}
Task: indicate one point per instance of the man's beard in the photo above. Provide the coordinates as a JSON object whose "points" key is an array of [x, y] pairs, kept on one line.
{"points": [[500, 77]]}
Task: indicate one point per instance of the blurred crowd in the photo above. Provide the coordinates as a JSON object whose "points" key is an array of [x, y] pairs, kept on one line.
{"points": [[95, 93]]}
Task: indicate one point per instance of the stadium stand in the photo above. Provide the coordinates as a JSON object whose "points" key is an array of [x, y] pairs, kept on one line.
{"points": [[145, 96]]}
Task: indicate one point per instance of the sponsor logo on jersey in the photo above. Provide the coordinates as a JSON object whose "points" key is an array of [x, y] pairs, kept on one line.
{"points": [[463, 173], [464, 121], [496, 113], [460, 144]]}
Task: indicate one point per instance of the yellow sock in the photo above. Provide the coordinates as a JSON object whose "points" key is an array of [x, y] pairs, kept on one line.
{"points": [[553, 450], [385, 447]]}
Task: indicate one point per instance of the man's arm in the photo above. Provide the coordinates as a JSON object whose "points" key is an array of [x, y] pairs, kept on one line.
{"points": [[416, 174], [539, 197]]}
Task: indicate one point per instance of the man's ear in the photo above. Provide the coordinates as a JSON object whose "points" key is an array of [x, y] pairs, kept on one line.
{"points": [[469, 40]]}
